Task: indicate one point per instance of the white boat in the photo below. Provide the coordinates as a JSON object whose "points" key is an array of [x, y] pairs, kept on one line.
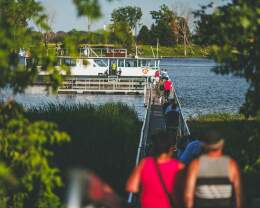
{"points": [[104, 70], [100, 61]]}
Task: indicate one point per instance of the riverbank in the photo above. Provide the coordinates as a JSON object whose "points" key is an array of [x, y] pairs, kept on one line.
{"points": [[174, 51], [104, 139]]}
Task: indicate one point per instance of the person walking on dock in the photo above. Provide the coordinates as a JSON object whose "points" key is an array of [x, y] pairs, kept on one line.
{"points": [[213, 180], [193, 150], [157, 175], [167, 88]]}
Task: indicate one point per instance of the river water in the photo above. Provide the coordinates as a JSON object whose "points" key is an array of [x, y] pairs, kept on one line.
{"points": [[200, 90]]}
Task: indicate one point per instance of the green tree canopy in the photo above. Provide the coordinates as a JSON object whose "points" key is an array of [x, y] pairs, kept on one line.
{"points": [[130, 15], [234, 32], [165, 14], [120, 33], [162, 29], [144, 35]]}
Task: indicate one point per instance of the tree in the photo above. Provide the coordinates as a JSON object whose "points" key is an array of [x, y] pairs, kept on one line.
{"points": [[130, 15], [233, 30], [161, 29], [163, 33], [144, 35], [27, 178], [165, 14], [120, 33], [183, 31]]}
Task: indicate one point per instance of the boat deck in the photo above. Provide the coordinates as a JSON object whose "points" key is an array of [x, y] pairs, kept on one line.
{"points": [[104, 85]]}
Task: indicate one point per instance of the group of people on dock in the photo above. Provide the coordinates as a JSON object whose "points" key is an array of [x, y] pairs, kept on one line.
{"points": [[163, 85], [183, 171]]}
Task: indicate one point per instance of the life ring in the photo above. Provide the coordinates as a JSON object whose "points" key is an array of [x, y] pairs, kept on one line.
{"points": [[145, 70]]}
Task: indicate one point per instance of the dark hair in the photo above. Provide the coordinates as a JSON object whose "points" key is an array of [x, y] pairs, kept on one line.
{"points": [[161, 143], [212, 137]]}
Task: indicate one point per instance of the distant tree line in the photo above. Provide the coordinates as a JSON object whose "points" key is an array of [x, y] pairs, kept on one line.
{"points": [[168, 29]]}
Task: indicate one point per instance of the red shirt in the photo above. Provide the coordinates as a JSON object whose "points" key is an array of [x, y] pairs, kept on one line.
{"points": [[153, 195], [167, 85]]}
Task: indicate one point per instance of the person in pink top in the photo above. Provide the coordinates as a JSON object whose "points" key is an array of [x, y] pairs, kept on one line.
{"points": [[156, 176]]}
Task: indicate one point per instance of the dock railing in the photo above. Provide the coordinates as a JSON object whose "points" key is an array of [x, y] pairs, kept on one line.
{"points": [[183, 129], [143, 137]]}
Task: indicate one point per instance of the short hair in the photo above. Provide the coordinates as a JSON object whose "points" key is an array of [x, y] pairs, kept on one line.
{"points": [[213, 139], [161, 142]]}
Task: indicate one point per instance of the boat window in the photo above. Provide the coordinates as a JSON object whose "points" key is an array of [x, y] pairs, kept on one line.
{"points": [[139, 63], [130, 63], [121, 63], [69, 62], [153, 64], [101, 62], [149, 63], [144, 63]]}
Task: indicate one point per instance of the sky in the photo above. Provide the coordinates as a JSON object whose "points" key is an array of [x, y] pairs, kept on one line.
{"points": [[63, 13]]}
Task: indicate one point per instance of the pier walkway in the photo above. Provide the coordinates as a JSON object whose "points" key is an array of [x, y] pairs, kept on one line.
{"points": [[154, 119]]}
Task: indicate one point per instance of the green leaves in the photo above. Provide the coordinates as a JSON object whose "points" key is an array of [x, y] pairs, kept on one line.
{"points": [[234, 31], [89, 8], [25, 150], [130, 15]]}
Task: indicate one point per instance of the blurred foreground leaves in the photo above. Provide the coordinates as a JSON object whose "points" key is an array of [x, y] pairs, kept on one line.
{"points": [[25, 151]]}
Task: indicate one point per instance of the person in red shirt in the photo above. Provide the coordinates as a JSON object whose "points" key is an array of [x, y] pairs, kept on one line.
{"points": [[145, 178], [167, 88]]}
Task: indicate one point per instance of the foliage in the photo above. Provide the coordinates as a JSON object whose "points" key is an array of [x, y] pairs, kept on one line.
{"points": [[90, 8], [161, 29], [234, 31], [24, 150], [104, 138], [121, 34], [163, 33], [130, 15], [16, 35], [144, 36], [165, 14]]}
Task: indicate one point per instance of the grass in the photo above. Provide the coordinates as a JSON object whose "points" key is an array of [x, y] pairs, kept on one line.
{"points": [[175, 51], [242, 142], [103, 138]]}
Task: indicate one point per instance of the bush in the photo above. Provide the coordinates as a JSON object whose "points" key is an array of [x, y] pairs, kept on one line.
{"points": [[104, 138]]}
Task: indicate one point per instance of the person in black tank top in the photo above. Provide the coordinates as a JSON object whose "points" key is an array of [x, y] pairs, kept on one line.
{"points": [[213, 180]]}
